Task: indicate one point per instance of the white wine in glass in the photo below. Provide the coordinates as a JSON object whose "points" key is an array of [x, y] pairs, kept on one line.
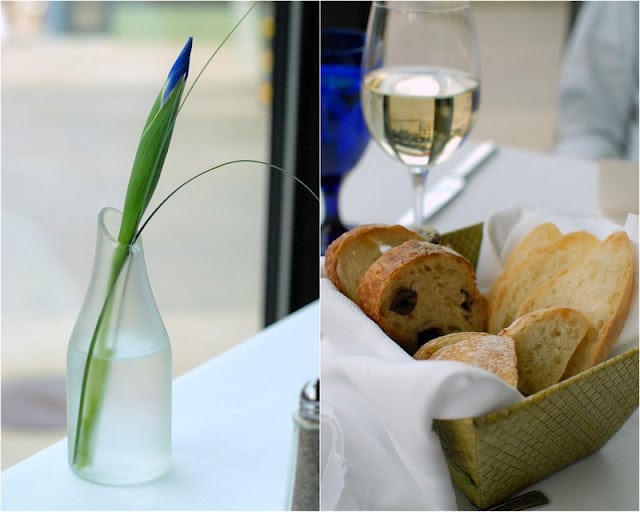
{"points": [[421, 87]]}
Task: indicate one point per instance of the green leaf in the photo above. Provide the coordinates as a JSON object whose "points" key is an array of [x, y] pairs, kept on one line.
{"points": [[153, 112], [147, 166]]}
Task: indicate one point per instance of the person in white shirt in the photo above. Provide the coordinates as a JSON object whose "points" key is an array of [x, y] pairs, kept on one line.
{"points": [[598, 100]]}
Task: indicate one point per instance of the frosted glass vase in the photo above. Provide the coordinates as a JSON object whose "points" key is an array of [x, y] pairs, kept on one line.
{"points": [[119, 397]]}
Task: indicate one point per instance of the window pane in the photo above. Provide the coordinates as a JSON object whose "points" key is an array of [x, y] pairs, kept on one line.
{"points": [[78, 80]]}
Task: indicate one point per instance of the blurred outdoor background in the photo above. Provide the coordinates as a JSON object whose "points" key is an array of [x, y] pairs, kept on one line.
{"points": [[78, 79]]}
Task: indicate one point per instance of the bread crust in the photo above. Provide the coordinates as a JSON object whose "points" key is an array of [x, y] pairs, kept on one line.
{"points": [[431, 347], [493, 353], [442, 280], [350, 255]]}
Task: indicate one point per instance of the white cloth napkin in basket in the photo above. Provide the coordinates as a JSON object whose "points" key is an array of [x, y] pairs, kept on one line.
{"points": [[378, 451]]}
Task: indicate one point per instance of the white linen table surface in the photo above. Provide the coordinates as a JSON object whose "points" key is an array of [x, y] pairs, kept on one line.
{"points": [[379, 188], [232, 435]]}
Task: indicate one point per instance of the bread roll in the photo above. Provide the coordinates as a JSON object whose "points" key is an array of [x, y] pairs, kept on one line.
{"points": [[429, 348], [496, 354], [418, 291], [349, 256]]}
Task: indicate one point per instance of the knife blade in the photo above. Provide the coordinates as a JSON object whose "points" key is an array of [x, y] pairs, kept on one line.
{"points": [[452, 183], [523, 502]]}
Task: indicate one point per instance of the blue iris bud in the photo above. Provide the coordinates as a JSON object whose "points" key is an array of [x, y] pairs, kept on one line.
{"points": [[179, 69]]}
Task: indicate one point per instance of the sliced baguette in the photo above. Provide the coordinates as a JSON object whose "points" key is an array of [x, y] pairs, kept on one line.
{"points": [[496, 354], [535, 240], [418, 291], [349, 256], [600, 287], [532, 272], [545, 340], [429, 348]]}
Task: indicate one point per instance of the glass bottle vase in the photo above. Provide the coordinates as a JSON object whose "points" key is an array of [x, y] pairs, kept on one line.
{"points": [[118, 370]]}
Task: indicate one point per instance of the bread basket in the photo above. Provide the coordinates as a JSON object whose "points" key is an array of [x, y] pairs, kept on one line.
{"points": [[493, 456]]}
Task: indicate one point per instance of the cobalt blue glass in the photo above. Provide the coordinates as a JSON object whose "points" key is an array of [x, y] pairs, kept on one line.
{"points": [[343, 132]]}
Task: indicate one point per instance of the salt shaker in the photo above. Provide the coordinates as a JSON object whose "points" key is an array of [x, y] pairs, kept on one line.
{"points": [[304, 487]]}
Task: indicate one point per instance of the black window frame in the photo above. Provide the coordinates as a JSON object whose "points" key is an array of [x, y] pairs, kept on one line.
{"points": [[293, 242]]}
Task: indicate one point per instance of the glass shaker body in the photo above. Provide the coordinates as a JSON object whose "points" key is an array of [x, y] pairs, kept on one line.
{"points": [[304, 488]]}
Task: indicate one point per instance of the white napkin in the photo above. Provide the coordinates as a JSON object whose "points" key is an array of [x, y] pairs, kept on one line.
{"points": [[378, 451], [379, 403]]}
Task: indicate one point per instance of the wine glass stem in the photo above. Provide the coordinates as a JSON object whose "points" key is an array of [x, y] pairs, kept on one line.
{"points": [[332, 226], [418, 179], [331, 204]]}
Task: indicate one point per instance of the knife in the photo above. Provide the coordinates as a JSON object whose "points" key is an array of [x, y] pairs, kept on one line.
{"points": [[522, 502], [452, 183]]}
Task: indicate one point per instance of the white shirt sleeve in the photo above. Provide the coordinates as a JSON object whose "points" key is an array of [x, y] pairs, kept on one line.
{"points": [[598, 110]]}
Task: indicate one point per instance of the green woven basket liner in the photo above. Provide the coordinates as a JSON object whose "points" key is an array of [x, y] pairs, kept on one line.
{"points": [[491, 457], [466, 241]]}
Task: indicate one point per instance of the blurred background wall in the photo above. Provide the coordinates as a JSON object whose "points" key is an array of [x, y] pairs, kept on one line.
{"points": [[521, 48]]}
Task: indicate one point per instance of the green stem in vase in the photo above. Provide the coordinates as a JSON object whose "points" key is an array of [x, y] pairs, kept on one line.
{"points": [[147, 167], [96, 370]]}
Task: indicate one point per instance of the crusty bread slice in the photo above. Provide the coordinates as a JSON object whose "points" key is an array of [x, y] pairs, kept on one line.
{"points": [[532, 272], [535, 240], [496, 354], [429, 348], [349, 256], [545, 341], [418, 291], [600, 287]]}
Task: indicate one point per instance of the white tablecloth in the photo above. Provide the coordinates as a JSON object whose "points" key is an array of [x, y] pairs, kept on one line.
{"points": [[232, 435], [379, 188]]}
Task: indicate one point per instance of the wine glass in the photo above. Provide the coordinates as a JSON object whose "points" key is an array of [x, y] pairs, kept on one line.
{"points": [[421, 86], [344, 135]]}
